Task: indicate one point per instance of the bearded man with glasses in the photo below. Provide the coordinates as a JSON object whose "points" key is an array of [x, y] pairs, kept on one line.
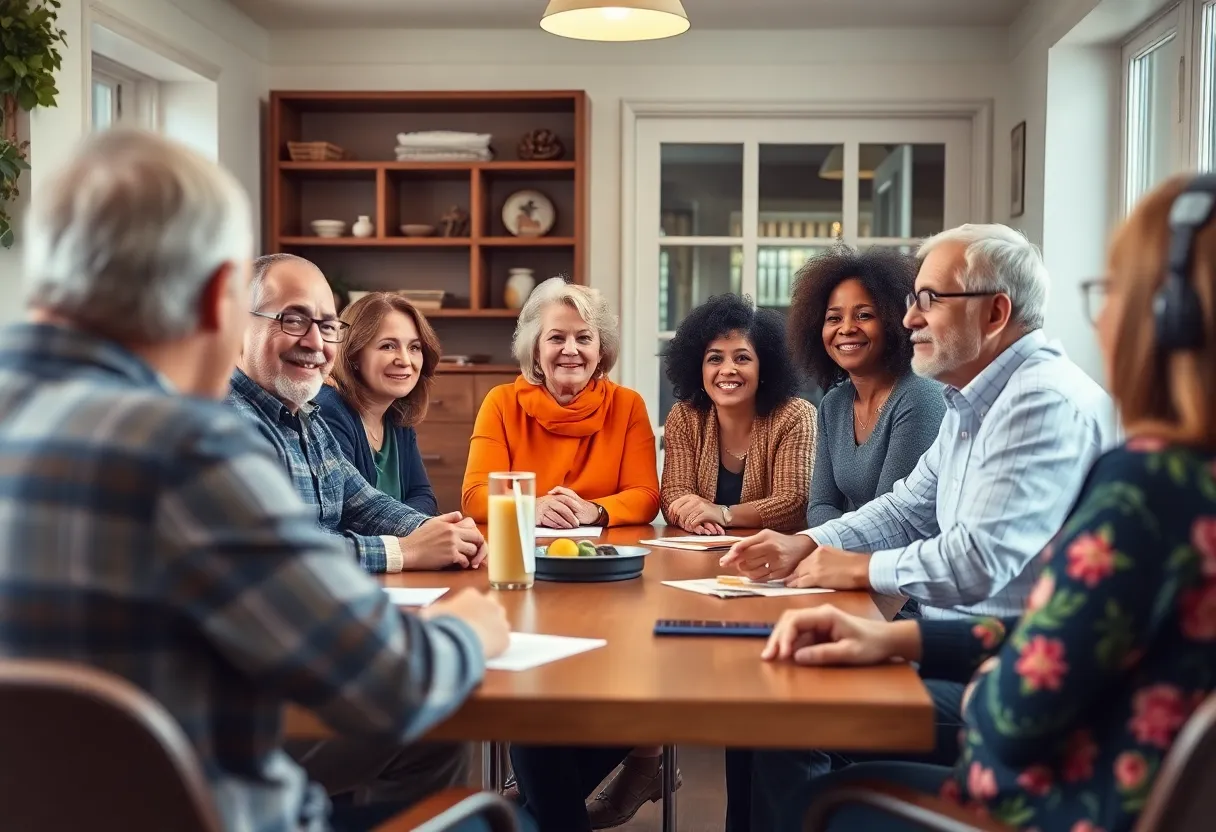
{"points": [[960, 534]]}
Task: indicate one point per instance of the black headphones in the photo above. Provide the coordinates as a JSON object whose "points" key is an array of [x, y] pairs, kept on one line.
{"points": [[1176, 310]]}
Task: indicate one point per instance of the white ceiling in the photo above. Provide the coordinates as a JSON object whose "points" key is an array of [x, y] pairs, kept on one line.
{"points": [[704, 14]]}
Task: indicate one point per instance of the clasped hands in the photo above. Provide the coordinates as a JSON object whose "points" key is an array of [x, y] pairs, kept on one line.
{"points": [[799, 561], [562, 508], [697, 515]]}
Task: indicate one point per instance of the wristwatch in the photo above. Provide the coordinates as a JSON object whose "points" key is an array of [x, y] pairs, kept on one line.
{"points": [[601, 515], [725, 515]]}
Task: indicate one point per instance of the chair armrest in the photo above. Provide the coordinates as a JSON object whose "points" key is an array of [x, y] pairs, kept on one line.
{"points": [[929, 811], [445, 809]]}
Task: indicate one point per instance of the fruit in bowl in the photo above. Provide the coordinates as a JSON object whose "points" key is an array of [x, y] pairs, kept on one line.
{"points": [[563, 547], [586, 549]]}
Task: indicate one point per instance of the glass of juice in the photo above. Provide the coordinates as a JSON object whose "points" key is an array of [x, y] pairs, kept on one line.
{"points": [[511, 530]]}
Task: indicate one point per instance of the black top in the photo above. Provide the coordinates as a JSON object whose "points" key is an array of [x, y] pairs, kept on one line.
{"points": [[730, 487]]}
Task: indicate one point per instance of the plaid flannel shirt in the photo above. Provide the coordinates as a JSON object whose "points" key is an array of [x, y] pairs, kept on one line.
{"points": [[156, 537], [345, 503]]}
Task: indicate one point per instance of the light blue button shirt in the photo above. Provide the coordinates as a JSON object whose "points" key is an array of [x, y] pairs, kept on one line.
{"points": [[961, 533]]}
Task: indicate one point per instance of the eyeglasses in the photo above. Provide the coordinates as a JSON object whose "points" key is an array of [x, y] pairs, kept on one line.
{"points": [[1093, 296], [925, 298], [293, 323]]}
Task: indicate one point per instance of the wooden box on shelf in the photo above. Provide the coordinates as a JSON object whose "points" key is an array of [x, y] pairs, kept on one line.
{"points": [[468, 252]]}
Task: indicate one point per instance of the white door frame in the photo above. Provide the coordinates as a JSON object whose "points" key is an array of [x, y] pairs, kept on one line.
{"points": [[978, 111]]}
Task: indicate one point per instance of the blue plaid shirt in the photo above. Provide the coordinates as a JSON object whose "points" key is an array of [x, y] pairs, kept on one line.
{"points": [[345, 503], [960, 533], [156, 537]]}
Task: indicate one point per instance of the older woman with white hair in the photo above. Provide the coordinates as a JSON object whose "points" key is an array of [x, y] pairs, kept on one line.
{"points": [[588, 440]]}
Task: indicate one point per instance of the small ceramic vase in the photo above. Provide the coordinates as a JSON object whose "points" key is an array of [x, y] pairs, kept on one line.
{"points": [[363, 228], [519, 285]]}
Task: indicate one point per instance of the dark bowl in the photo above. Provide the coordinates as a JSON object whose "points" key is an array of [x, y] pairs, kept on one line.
{"points": [[601, 568]]}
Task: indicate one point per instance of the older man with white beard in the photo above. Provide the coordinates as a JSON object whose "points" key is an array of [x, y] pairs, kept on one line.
{"points": [[961, 533], [288, 352]]}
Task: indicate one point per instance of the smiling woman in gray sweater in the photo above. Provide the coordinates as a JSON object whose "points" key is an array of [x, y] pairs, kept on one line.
{"points": [[877, 418]]}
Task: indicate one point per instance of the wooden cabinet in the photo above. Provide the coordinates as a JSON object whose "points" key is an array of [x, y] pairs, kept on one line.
{"points": [[443, 437], [471, 266]]}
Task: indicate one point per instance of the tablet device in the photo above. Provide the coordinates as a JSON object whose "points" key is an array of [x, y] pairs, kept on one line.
{"points": [[688, 627]]}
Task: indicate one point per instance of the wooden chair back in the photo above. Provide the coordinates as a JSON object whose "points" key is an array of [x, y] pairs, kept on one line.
{"points": [[84, 749], [1183, 798]]}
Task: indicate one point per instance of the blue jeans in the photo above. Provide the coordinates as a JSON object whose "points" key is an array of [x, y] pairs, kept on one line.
{"points": [[781, 778], [555, 782], [920, 776]]}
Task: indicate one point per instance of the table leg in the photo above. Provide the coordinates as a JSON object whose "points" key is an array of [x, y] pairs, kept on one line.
{"points": [[669, 788], [491, 767]]}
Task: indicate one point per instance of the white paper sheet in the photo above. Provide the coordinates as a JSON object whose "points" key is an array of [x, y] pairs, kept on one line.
{"points": [[529, 650], [710, 586], [414, 596], [582, 531]]}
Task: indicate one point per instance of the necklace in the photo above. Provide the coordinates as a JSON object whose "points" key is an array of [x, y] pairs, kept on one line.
{"points": [[741, 457], [864, 424], [375, 440]]}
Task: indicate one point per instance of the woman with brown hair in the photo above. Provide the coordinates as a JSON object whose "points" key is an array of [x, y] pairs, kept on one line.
{"points": [[379, 390], [1072, 708]]}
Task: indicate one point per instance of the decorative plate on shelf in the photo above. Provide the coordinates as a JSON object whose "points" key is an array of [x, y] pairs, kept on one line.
{"points": [[528, 213]]}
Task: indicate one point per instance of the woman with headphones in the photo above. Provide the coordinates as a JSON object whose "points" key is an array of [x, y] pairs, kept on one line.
{"points": [[1072, 708]]}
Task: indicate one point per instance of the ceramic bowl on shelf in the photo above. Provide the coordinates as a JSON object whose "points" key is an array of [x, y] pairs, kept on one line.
{"points": [[329, 228], [417, 230]]}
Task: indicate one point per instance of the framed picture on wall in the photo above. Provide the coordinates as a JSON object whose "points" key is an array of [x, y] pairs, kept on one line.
{"points": [[1017, 170]]}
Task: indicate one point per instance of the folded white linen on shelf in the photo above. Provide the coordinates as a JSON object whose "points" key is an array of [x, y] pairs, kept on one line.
{"points": [[442, 155], [444, 138]]}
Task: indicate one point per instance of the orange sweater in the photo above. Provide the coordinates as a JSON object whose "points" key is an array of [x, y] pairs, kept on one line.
{"points": [[600, 445]]}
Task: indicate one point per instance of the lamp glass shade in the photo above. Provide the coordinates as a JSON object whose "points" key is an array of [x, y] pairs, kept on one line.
{"points": [[872, 155], [615, 20]]}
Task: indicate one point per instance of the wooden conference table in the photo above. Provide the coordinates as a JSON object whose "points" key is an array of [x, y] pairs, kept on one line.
{"points": [[643, 690]]}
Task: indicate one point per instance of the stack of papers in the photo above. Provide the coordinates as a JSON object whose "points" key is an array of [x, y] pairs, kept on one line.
{"points": [[711, 586], [695, 543], [410, 596], [529, 650], [543, 533]]}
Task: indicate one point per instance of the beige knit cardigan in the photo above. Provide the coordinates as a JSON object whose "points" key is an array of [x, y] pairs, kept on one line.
{"points": [[780, 458]]}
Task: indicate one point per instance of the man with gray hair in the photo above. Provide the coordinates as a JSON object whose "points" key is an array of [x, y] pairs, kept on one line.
{"points": [[288, 352], [147, 531], [961, 534]]}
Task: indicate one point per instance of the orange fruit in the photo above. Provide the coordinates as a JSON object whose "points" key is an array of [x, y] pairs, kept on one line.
{"points": [[563, 547]]}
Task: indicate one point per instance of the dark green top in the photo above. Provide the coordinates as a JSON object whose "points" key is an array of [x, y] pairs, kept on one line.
{"points": [[388, 468]]}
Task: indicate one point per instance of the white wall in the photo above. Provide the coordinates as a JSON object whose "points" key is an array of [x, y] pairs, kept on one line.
{"points": [[883, 65], [206, 31]]}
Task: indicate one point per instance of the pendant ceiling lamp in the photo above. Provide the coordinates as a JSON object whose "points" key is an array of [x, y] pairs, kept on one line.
{"points": [[615, 20]]}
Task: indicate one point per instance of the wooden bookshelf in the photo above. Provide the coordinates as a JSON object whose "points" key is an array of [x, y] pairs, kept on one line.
{"points": [[472, 269], [392, 193]]}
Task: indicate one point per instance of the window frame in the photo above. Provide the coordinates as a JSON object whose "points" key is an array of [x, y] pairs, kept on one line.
{"points": [[1193, 140], [136, 96]]}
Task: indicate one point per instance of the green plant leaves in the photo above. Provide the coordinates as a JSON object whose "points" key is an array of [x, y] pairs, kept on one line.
{"points": [[29, 44]]}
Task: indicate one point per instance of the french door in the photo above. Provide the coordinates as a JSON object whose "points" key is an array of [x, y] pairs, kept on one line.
{"points": [[739, 205]]}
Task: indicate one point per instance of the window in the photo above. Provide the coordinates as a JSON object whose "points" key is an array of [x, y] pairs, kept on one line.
{"points": [[740, 205], [122, 96], [1169, 106]]}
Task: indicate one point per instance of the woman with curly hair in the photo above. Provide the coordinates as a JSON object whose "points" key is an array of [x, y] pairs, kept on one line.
{"points": [[876, 418], [740, 443]]}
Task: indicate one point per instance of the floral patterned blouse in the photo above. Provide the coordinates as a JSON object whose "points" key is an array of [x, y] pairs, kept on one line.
{"points": [[1074, 706]]}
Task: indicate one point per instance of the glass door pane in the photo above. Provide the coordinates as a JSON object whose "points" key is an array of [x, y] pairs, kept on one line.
{"points": [[701, 189], [901, 190]]}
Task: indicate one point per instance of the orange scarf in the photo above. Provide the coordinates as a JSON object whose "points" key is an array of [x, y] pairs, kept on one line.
{"points": [[583, 416]]}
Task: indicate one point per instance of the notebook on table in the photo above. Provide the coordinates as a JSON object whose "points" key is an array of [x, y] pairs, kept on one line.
{"points": [[695, 542]]}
